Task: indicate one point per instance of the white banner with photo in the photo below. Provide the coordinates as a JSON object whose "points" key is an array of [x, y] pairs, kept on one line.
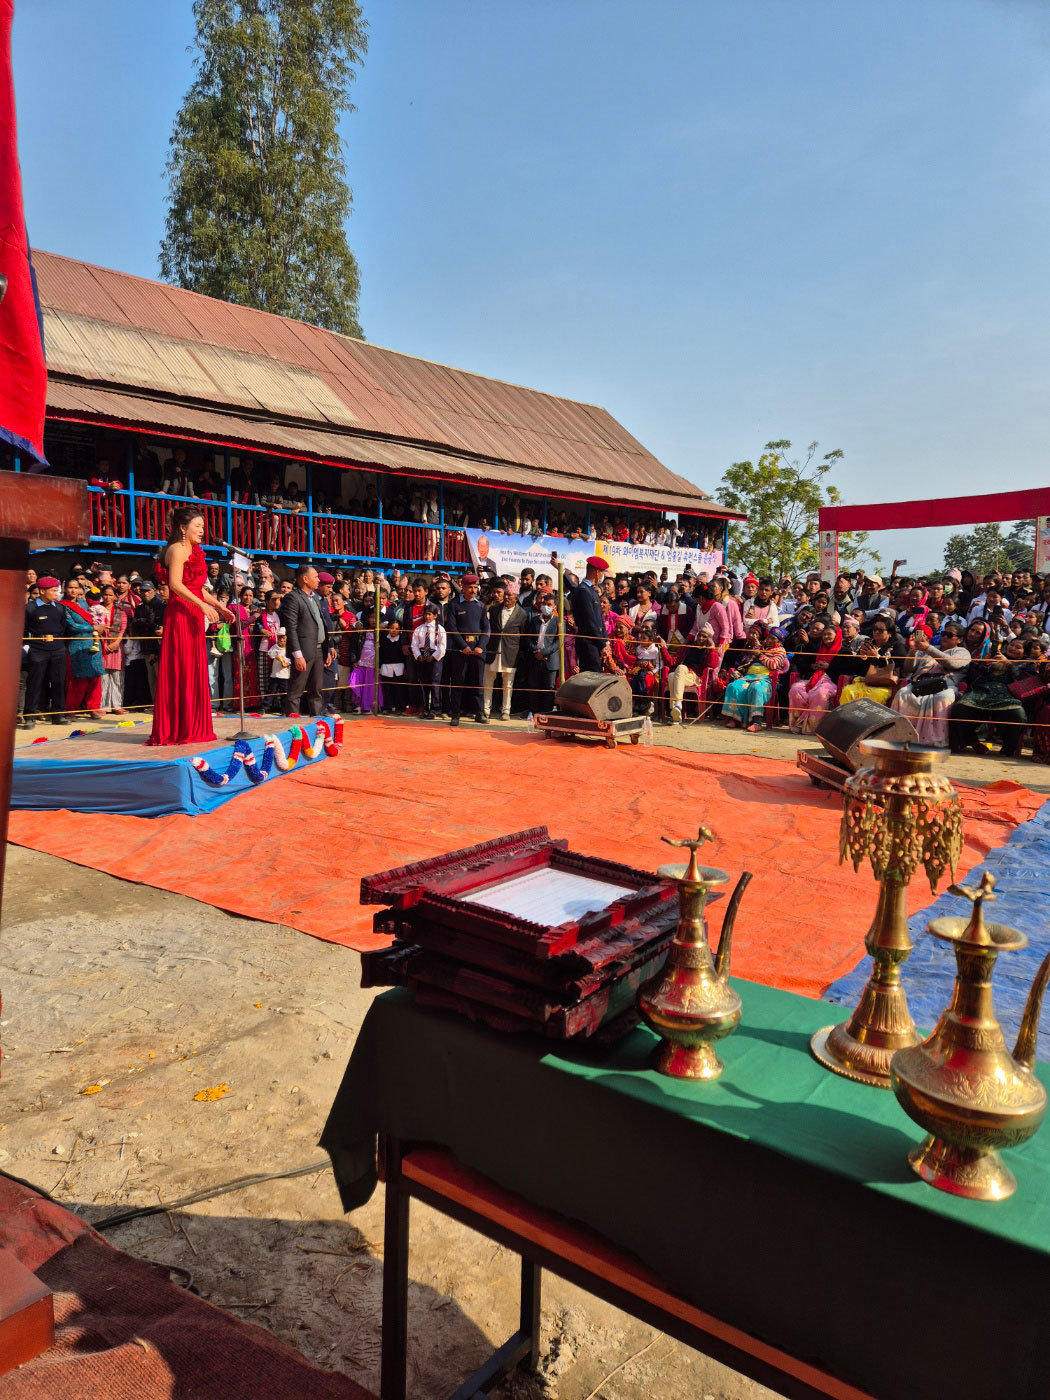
{"points": [[1042, 544], [509, 554], [829, 555]]}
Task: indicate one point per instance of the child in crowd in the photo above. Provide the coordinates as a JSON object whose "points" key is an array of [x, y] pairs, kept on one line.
{"points": [[267, 628], [280, 670], [652, 664], [392, 667], [429, 641]]}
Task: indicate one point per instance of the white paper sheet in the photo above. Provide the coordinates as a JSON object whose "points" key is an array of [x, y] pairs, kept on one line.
{"points": [[548, 896]]}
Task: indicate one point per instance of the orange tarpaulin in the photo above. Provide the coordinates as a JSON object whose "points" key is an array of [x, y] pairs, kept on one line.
{"points": [[293, 850]]}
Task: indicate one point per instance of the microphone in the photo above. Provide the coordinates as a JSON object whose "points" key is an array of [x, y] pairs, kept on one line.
{"points": [[234, 549]]}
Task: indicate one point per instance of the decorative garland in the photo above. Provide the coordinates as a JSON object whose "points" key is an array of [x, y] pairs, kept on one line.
{"points": [[274, 756]]}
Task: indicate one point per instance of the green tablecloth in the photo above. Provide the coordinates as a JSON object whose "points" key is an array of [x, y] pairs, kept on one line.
{"points": [[779, 1198]]}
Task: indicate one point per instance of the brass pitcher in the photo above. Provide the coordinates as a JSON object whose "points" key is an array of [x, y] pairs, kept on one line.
{"points": [[694, 1004], [962, 1085]]}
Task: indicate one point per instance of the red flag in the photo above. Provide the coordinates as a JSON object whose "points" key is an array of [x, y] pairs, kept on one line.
{"points": [[23, 373]]}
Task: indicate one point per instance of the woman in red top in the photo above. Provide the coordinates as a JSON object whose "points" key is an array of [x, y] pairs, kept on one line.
{"points": [[182, 704]]}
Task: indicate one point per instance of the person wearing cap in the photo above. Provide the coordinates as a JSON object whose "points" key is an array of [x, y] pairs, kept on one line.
{"points": [[867, 595], [149, 622], [467, 626], [428, 645], [592, 644], [757, 603], [842, 593], [46, 630]]}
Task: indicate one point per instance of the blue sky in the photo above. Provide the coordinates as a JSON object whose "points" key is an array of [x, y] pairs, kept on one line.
{"points": [[727, 222]]}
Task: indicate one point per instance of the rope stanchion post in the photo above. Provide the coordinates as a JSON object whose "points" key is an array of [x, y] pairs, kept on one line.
{"points": [[243, 732], [375, 639], [561, 622]]}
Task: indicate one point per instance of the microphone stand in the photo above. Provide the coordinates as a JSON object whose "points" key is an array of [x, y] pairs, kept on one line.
{"points": [[242, 733]]}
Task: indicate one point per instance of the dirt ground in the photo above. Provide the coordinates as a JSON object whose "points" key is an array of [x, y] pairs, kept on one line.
{"points": [[153, 997]]}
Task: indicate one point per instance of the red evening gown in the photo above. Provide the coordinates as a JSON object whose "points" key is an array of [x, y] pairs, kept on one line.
{"points": [[182, 703]]}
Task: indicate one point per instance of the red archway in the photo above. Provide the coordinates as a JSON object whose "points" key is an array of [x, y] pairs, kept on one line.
{"points": [[954, 510]]}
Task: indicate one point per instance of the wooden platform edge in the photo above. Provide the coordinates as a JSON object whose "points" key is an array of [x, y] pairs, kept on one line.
{"points": [[441, 1173]]}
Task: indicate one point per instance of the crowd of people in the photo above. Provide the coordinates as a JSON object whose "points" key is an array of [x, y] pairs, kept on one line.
{"points": [[271, 486], [967, 659]]}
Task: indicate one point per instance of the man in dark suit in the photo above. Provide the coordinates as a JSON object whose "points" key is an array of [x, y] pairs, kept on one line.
{"points": [[591, 640], [308, 643], [542, 641], [467, 626]]}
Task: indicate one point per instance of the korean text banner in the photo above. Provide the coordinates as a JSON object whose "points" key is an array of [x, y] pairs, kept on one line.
{"points": [[509, 554]]}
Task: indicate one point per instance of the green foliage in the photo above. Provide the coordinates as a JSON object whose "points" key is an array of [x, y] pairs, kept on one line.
{"points": [[781, 496], [259, 197], [988, 547]]}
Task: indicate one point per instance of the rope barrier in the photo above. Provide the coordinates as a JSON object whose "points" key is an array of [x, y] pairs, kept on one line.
{"points": [[603, 637], [415, 685]]}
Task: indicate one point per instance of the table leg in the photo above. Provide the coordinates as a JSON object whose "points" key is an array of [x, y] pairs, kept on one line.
{"points": [[394, 1364], [531, 1282]]}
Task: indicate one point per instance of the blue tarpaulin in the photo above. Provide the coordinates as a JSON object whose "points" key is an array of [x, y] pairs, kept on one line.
{"points": [[133, 787], [1022, 873]]}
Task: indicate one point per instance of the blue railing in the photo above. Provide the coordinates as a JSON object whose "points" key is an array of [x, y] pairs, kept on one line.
{"points": [[126, 518]]}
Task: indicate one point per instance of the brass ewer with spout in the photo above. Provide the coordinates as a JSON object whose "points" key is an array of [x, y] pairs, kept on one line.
{"points": [[962, 1085], [900, 814], [694, 1005]]}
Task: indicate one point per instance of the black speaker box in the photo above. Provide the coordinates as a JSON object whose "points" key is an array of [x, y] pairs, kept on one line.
{"points": [[842, 731], [594, 695]]}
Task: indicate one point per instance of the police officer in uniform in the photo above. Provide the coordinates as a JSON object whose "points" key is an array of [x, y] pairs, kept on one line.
{"points": [[467, 626], [591, 639], [45, 627]]}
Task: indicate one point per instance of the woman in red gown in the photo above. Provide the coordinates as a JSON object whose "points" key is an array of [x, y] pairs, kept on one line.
{"points": [[182, 703]]}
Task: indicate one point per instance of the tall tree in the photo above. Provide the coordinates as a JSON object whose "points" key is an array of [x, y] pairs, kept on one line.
{"points": [[259, 196], [988, 547], [781, 496]]}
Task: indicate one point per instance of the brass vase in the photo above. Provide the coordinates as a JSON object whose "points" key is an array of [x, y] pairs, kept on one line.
{"points": [[962, 1084], [693, 1006], [900, 814]]}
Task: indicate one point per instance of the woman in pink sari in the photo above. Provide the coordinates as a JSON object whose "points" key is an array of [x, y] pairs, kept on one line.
{"points": [[810, 700]]}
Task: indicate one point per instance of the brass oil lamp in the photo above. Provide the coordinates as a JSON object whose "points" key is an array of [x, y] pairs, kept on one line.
{"points": [[962, 1085], [694, 1005], [900, 814]]}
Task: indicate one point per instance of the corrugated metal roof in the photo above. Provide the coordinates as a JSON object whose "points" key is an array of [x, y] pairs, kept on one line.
{"points": [[114, 331], [88, 403]]}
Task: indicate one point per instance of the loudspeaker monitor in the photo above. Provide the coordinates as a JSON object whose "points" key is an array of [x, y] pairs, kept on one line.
{"points": [[842, 731], [594, 695]]}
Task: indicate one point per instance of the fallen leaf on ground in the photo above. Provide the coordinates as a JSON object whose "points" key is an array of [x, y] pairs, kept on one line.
{"points": [[218, 1091]]}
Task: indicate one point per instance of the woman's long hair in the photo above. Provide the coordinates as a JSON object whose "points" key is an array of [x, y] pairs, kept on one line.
{"points": [[178, 520]]}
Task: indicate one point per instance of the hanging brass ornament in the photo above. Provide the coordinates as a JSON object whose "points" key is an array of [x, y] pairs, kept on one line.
{"points": [[899, 814]]}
